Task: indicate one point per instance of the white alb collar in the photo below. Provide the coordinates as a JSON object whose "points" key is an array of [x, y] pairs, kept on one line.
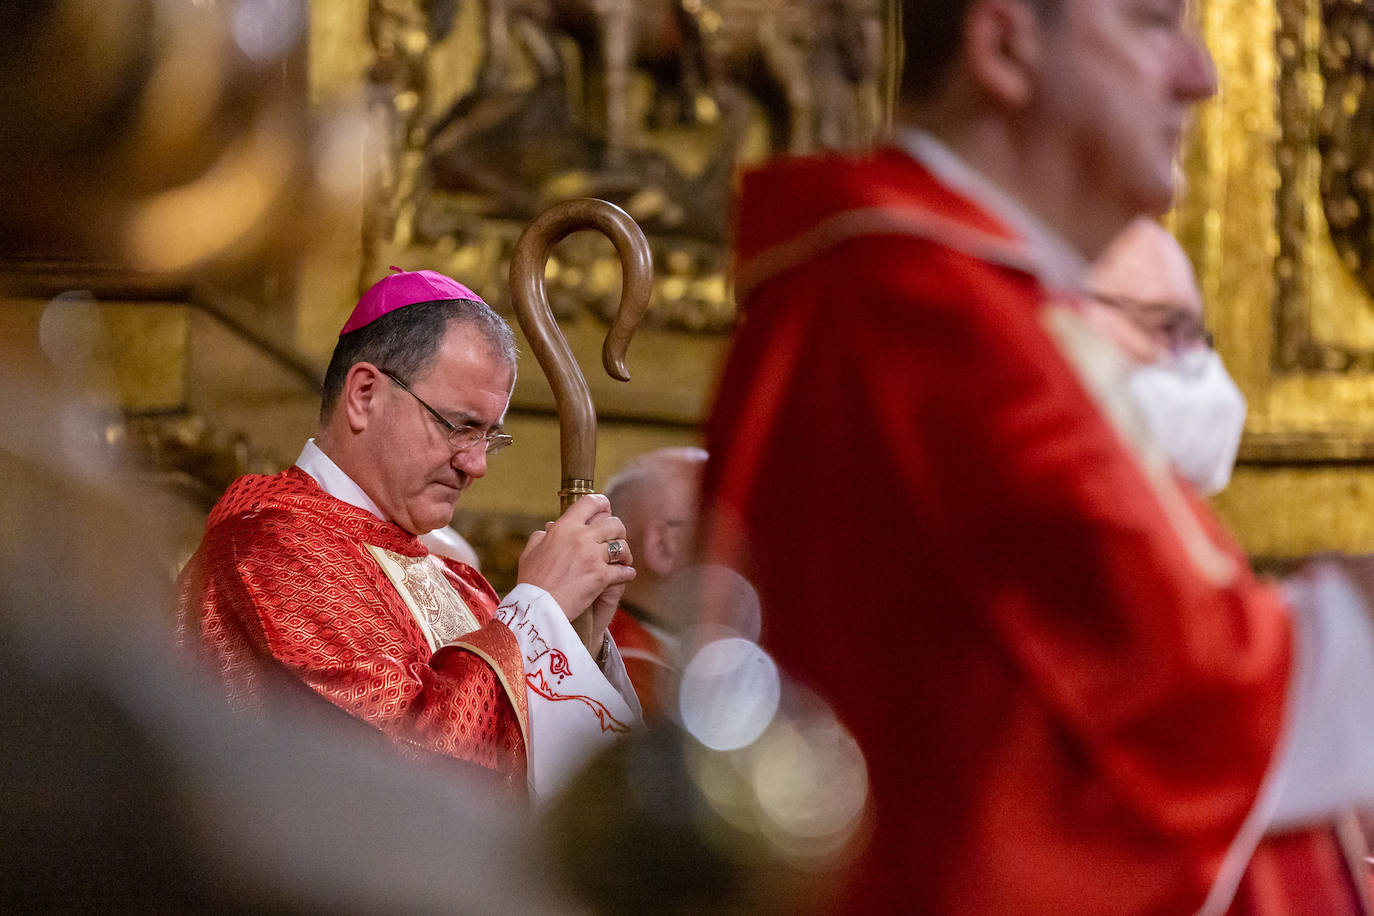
{"points": [[1058, 264], [333, 480]]}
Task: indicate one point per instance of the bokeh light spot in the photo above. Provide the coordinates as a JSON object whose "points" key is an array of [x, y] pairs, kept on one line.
{"points": [[729, 693]]}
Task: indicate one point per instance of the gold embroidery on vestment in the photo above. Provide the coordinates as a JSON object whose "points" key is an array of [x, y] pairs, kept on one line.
{"points": [[441, 612]]}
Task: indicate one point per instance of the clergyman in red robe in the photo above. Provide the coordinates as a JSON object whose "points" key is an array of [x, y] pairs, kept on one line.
{"points": [[656, 496], [1072, 693]]}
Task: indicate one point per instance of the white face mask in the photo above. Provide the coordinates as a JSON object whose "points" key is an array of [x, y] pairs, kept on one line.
{"points": [[1196, 412]]}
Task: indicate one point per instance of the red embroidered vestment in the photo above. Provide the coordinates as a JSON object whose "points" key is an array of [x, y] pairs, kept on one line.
{"points": [[1067, 683], [283, 580]]}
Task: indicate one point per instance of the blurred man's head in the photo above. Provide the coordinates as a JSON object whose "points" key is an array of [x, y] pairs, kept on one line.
{"points": [[415, 396], [1077, 107], [1142, 294], [656, 496]]}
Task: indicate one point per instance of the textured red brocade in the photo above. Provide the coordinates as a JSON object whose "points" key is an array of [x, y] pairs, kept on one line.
{"points": [[283, 579], [1060, 712]]}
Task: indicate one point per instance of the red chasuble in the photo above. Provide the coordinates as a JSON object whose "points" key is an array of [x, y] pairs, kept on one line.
{"points": [[290, 578], [646, 662], [1067, 683]]}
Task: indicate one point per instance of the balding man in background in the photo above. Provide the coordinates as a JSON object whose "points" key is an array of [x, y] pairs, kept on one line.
{"points": [[1142, 293], [656, 496]]}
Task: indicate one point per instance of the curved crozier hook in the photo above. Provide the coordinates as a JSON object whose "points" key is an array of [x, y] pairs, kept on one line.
{"points": [[636, 286], [576, 416]]}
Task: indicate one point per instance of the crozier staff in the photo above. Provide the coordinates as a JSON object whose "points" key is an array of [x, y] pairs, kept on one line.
{"points": [[1072, 693]]}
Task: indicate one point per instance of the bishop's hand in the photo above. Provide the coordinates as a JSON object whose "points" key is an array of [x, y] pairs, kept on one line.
{"points": [[583, 561]]}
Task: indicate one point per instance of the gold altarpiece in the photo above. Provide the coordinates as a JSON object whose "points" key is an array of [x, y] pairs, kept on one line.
{"points": [[1276, 215]]}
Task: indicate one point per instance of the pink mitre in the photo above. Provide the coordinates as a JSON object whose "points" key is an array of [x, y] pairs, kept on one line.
{"points": [[404, 287]]}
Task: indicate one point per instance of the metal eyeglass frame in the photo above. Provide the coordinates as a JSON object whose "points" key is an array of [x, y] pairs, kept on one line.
{"points": [[461, 438]]}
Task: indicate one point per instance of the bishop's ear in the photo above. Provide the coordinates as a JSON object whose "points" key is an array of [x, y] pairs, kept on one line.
{"points": [[659, 552], [1003, 43], [360, 390]]}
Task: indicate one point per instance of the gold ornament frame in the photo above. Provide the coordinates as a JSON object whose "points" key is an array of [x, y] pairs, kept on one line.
{"points": [[1291, 320]]}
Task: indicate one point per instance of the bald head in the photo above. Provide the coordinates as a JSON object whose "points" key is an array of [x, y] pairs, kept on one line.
{"points": [[1145, 262], [1142, 288], [656, 495]]}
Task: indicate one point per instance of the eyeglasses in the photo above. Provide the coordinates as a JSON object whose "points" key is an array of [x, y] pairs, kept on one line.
{"points": [[460, 438], [1180, 328]]}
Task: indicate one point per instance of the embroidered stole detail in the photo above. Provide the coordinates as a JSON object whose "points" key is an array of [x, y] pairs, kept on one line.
{"points": [[441, 612]]}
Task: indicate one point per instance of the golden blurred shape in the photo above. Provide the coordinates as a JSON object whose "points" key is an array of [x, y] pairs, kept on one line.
{"points": [[182, 97], [812, 784], [223, 209]]}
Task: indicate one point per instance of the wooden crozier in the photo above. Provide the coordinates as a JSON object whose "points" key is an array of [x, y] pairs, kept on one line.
{"points": [[576, 416]]}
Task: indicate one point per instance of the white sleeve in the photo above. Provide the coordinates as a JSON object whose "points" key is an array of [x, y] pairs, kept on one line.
{"points": [[575, 710], [1324, 762], [1327, 763]]}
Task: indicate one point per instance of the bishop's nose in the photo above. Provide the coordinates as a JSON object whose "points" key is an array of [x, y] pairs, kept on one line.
{"points": [[472, 461]]}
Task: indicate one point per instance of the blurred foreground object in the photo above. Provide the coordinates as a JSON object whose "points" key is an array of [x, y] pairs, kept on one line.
{"points": [[752, 805], [1072, 692], [161, 160], [155, 135], [128, 786]]}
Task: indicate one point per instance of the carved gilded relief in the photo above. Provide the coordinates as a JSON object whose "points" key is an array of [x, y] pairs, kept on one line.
{"points": [[1325, 269], [1345, 55], [648, 103], [1277, 218]]}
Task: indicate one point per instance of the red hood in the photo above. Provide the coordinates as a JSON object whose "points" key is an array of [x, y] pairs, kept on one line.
{"points": [[296, 492], [792, 210]]}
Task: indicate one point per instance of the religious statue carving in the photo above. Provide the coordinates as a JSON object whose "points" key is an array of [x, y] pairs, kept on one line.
{"points": [[559, 108], [795, 57]]}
